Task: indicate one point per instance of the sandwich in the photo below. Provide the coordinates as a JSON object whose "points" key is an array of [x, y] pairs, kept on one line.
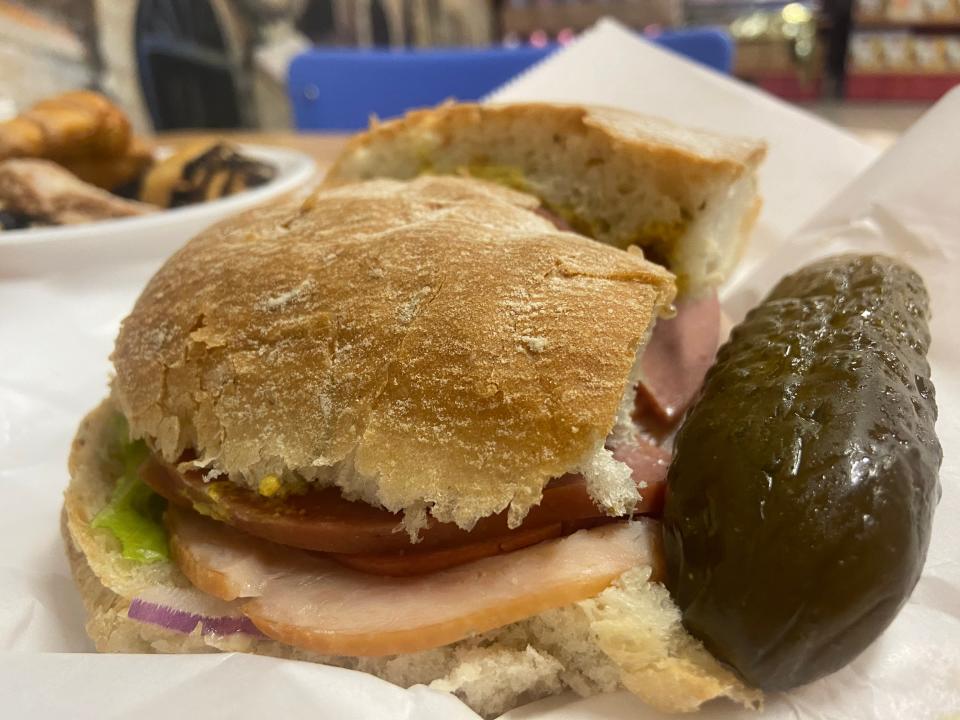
{"points": [[411, 425]]}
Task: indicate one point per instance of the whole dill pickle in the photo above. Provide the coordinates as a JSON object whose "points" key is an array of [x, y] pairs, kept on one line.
{"points": [[801, 493]]}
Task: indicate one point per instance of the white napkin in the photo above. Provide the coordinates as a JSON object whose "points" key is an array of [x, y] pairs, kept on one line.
{"points": [[57, 329]]}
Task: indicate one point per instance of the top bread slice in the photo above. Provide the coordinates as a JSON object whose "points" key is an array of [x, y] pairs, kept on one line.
{"points": [[628, 636], [687, 197], [427, 345]]}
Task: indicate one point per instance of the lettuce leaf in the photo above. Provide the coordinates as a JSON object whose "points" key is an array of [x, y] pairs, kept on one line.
{"points": [[134, 513]]}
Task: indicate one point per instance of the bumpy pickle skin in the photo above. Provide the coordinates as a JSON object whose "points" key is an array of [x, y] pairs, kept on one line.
{"points": [[801, 494]]}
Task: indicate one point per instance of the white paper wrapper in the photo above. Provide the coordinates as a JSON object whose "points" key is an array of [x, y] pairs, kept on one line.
{"points": [[57, 330]]}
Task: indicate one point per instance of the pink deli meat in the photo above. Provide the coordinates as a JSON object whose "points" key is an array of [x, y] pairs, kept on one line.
{"points": [[313, 603], [680, 351]]}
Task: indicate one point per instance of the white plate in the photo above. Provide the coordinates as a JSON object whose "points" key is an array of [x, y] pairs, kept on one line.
{"points": [[156, 235]]}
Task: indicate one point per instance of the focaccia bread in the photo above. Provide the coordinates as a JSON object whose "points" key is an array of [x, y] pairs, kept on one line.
{"points": [[688, 198]]}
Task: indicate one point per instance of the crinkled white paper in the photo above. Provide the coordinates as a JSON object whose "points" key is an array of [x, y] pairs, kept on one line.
{"points": [[58, 322]]}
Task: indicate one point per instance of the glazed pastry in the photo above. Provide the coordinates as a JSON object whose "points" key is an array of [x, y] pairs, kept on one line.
{"points": [[114, 173], [80, 124]]}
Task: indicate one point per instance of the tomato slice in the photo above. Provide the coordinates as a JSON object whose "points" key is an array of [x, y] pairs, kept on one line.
{"points": [[414, 562], [323, 520]]}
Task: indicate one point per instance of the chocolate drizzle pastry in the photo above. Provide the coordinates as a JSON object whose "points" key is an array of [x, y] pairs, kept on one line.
{"points": [[200, 172], [13, 220]]}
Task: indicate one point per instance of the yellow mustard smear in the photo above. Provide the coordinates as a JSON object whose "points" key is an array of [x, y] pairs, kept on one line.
{"points": [[507, 175], [655, 237], [661, 232], [214, 490], [269, 485], [207, 510], [658, 235]]}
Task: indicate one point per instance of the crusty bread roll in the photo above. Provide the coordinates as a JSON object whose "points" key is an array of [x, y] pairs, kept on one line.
{"points": [[629, 636], [426, 345], [688, 198]]}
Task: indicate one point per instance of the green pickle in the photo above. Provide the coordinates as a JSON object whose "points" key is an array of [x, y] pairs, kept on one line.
{"points": [[802, 489]]}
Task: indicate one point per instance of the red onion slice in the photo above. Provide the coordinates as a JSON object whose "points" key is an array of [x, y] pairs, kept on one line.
{"points": [[186, 622], [183, 609]]}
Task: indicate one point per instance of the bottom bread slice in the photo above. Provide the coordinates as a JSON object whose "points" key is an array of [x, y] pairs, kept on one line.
{"points": [[630, 635]]}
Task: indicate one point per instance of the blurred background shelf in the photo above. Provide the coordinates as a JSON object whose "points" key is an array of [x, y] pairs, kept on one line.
{"points": [[870, 23], [227, 63], [928, 87]]}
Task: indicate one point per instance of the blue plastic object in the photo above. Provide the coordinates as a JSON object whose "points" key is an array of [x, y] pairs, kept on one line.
{"points": [[339, 89], [708, 46]]}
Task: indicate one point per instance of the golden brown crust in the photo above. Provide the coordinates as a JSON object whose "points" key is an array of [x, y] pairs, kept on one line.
{"points": [[20, 137], [112, 172], [637, 134], [72, 125], [685, 196], [435, 339]]}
